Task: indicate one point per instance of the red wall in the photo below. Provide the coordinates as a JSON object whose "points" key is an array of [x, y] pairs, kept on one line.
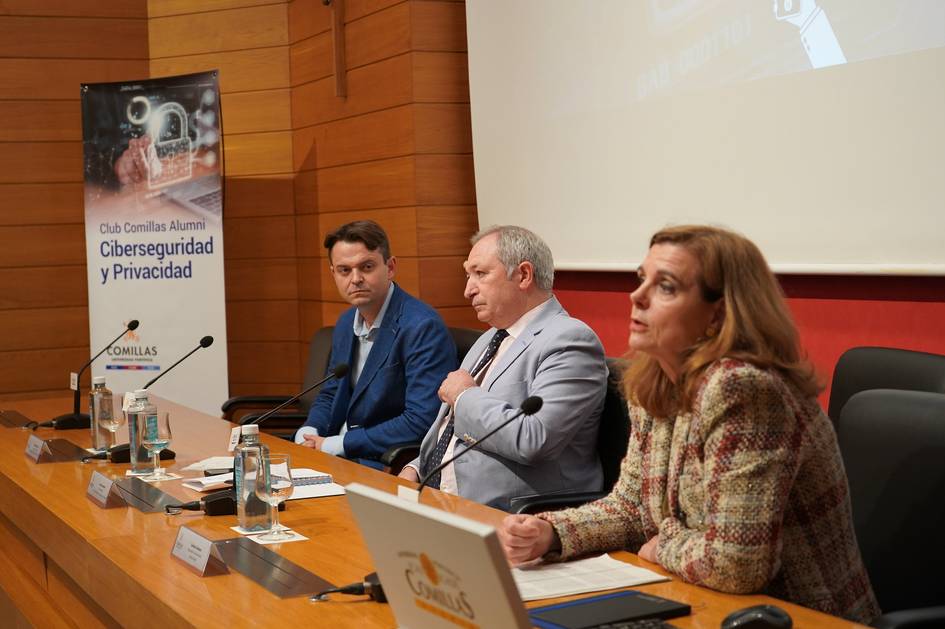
{"points": [[833, 313]]}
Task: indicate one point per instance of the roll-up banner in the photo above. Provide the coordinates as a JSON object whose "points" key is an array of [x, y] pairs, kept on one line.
{"points": [[154, 234]]}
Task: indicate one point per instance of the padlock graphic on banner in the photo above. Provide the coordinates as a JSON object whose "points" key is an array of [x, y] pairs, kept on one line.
{"points": [[170, 161]]}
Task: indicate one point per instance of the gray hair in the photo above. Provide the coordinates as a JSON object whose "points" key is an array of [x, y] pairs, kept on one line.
{"points": [[516, 245]]}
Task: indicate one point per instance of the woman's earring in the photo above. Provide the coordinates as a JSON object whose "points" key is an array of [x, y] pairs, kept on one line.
{"points": [[711, 330]]}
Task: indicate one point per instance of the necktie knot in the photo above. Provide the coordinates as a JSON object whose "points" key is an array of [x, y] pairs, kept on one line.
{"points": [[490, 352]]}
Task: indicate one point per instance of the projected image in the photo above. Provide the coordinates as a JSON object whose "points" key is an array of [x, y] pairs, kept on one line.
{"points": [[689, 44]]}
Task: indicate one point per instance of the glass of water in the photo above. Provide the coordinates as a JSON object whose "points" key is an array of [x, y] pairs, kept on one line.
{"points": [[274, 485], [155, 431], [111, 419]]}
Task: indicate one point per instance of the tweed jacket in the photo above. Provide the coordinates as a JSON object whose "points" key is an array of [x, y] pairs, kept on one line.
{"points": [[747, 493]]}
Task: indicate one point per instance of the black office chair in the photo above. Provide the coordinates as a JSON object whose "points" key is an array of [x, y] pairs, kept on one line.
{"points": [[864, 368], [243, 409], [613, 436], [893, 448], [397, 456]]}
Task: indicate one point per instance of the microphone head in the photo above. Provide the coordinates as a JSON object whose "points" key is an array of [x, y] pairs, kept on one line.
{"points": [[206, 341], [341, 370], [132, 325], [531, 405]]}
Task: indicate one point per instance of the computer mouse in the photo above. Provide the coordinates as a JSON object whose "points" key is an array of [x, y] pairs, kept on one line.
{"points": [[758, 617]]}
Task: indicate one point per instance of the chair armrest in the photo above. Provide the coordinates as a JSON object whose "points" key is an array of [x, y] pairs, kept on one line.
{"points": [[923, 617], [536, 503], [397, 456], [242, 402]]}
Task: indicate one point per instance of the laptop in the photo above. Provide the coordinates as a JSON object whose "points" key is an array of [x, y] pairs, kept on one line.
{"points": [[438, 570], [203, 196], [441, 570]]}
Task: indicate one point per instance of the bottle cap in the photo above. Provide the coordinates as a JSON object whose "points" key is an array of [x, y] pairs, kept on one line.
{"points": [[98, 380], [141, 394], [250, 429]]}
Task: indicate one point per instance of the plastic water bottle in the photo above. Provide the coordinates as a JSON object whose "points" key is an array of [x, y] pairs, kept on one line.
{"points": [[101, 413], [140, 406], [253, 514]]}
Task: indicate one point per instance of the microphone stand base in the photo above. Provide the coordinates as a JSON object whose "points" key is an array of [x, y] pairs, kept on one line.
{"points": [[71, 421]]}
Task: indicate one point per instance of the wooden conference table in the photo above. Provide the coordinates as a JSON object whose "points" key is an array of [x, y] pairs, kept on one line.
{"points": [[68, 562]]}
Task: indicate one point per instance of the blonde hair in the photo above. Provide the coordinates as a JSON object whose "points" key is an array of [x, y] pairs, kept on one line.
{"points": [[756, 326]]}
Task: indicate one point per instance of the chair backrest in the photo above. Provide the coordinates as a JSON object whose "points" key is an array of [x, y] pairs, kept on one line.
{"points": [[864, 368], [893, 448], [613, 435], [464, 339], [319, 350]]}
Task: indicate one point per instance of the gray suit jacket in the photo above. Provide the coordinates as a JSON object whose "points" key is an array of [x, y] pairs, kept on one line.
{"points": [[559, 359]]}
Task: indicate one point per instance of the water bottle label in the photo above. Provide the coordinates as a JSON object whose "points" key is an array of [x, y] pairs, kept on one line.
{"points": [[151, 426]]}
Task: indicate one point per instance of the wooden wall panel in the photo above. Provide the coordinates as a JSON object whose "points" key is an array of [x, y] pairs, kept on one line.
{"points": [[258, 153], [445, 230], [249, 112], [164, 8], [386, 183], [377, 135], [40, 370], [40, 121], [438, 26], [33, 162], [445, 179], [399, 223], [42, 245], [310, 59], [257, 195], [61, 8], [310, 283], [442, 281], [38, 204], [440, 77], [233, 29], [263, 321], [308, 18], [378, 36], [377, 86], [20, 78], [264, 237], [35, 37], [44, 328], [240, 70], [251, 279], [43, 287]]}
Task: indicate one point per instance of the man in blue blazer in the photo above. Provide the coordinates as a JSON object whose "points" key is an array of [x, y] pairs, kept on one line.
{"points": [[397, 347]]}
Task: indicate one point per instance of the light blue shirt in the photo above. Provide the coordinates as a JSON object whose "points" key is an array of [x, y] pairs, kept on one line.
{"points": [[366, 336]]}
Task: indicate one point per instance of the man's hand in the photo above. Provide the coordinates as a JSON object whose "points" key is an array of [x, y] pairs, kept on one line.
{"points": [[134, 164], [313, 441], [456, 382], [648, 551], [525, 537], [409, 473]]}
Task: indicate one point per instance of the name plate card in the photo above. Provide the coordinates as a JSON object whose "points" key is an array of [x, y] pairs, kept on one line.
{"points": [[234, 438], [35, 448], [198, 553], [102, 491]]}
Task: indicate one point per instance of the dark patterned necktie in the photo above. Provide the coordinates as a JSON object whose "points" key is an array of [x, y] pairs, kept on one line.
{"points": [[437, 457]]}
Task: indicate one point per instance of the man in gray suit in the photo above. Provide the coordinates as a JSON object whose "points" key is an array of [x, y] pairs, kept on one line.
{"points": [[533, 348]]}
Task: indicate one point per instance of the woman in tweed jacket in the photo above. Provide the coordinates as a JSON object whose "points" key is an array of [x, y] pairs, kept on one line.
{"points": [[732, 479]]}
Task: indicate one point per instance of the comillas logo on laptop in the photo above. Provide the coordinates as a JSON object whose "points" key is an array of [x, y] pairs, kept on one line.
{"points": [[438, 590]]}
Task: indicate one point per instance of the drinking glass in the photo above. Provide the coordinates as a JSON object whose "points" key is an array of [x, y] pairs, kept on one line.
{"points": [[273, 485], [155, 431], [113, 420]]}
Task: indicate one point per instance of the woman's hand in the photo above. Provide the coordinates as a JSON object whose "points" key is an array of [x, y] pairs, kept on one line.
{"points": [[648, 551], [525, 537]]}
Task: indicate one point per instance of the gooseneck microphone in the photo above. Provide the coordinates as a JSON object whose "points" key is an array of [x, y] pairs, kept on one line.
{"points": [[206, 341], [340, 371], [529, 406], [75, 419]]}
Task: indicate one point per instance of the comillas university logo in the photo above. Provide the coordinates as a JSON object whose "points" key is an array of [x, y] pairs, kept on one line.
{"points": [[439, 590], [130, 354]]}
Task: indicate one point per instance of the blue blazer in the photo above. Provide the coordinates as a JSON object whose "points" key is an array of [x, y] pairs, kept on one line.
{"points": [[395, 400]]}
